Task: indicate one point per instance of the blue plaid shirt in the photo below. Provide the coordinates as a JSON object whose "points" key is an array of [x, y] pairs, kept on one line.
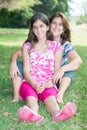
{"points": [[67, 47]]}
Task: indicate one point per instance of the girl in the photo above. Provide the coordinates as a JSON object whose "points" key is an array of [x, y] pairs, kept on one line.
{"points": [[41, 59]]}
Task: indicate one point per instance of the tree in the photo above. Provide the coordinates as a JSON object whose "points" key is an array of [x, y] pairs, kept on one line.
{"points": [[17, 4], [17, 13], [51, 6], [7, 3], [46, 6]]}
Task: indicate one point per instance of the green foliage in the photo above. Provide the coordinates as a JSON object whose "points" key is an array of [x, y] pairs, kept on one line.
{"points": [[15, 18], [49, 7], [17, 4], [62, 6], [4, 15], [18, 13], [19, 18], [81, 20]]}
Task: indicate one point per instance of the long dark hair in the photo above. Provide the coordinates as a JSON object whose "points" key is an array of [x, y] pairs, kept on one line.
{"points": [[66, 35], [31, 36]]}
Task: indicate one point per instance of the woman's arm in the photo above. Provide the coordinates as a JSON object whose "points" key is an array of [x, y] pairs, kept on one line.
{"points": [[13, 66], [75, 62]]}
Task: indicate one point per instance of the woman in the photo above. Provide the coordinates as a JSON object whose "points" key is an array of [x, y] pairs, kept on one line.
{"points": [[61, 32]]}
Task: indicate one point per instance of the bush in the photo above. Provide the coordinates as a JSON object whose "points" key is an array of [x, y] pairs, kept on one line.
{"points": [[15, 18], [4, 15]]}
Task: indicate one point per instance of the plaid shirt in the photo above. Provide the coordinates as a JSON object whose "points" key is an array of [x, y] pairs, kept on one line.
{"points": [[67, 47]]}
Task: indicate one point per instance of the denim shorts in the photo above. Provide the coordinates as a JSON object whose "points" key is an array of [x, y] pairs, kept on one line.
{"points": [[69, 74], [20, 67]]}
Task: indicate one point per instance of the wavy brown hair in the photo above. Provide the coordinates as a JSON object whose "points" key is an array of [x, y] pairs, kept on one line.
{"points": [[66, 35]]}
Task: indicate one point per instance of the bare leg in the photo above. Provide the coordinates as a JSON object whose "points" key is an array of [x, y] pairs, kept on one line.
{"points": [[51, 105], [16, 86], [30, 112], [62, 88], [32, 102]]}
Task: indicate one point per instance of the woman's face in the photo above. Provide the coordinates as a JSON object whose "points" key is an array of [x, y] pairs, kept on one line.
{"points": [[57, 27], [40, 29]]}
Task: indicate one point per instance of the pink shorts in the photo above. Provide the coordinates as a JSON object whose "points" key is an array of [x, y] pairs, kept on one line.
{"points": [[27, 90]]}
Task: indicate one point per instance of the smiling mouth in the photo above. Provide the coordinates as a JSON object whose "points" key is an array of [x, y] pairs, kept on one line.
{"points": [[56, 30]]}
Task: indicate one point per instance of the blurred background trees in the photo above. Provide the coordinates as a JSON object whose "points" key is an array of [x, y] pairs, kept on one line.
{"points": [[17, 13]]}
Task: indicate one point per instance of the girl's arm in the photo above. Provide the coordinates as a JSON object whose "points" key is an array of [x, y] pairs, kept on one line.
{"points": [[58, 61], [26, 67], [13, 66], [26, 70]]}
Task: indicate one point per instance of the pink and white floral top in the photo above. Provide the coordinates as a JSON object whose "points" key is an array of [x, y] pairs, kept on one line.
{"points": [[42, 65]]}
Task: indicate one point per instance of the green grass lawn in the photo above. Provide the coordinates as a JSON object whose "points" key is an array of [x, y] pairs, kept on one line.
{"points": [[11, 40]]}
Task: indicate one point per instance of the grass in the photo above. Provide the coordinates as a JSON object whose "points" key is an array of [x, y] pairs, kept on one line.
{"points": [[11, 40], [12, 37]]}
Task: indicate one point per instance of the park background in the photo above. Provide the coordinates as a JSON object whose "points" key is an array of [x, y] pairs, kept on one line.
{"points": [[14, 20]]}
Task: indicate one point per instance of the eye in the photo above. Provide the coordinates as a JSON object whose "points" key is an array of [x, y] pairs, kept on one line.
{"points": [[41, 26], [61, 24], [54, 23]]}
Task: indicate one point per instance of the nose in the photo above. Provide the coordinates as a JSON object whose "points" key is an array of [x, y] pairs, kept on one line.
{"points": [[57, 25], [38, 30]]}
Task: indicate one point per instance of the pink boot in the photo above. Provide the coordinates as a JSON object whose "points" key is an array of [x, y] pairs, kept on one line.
{"points": [[26, 114], [68, 111]]}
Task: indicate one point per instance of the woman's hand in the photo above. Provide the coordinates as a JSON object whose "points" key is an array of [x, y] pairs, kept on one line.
{"points": [[58, 76], [14, 71]]}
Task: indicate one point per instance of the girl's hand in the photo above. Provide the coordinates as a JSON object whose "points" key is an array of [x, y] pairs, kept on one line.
{"points": [[48, 84], [14, 71], [39, 88]]}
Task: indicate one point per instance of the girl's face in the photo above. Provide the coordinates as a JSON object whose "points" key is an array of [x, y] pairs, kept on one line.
{"points": [[57, 27], [40, 29]]}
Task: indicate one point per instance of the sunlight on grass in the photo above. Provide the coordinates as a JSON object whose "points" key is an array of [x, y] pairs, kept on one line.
{"points": [[13, 30], [13, 37]]}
